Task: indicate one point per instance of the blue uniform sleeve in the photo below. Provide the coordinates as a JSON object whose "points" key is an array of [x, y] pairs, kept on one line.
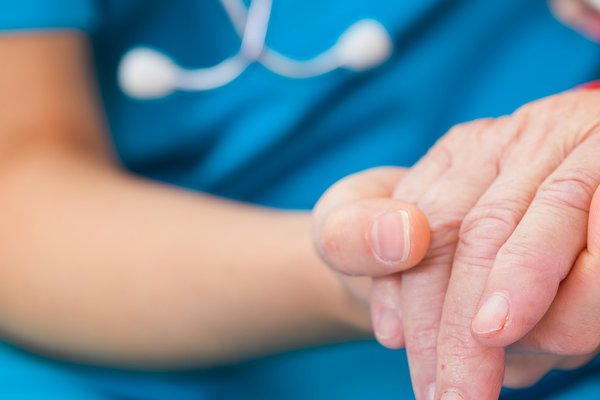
{"points": [[18, 15]]}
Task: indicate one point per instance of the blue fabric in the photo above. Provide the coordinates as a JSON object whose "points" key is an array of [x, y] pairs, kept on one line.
{"points": [[281, 142], [44, 14]]}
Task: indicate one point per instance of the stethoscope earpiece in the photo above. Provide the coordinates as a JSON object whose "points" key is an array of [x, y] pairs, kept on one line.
{"points": [[364, 45], [146, 73]]}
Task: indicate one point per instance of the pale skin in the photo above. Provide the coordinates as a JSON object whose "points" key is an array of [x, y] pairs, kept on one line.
{"points": [[532, 239], [101, 266], [512, 212]]}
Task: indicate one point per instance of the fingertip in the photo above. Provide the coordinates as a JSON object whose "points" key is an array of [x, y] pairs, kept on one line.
{"points": [[390, 237], [372, 237], [492, 316], [502, 320], [493, 339], [386, 311], [498, 322], [399, 236], [388, 329]]}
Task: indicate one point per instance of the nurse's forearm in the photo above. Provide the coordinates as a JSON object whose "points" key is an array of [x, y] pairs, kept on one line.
{"points": [[98, 265]]}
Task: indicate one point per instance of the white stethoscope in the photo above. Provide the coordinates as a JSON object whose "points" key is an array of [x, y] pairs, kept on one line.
{"points": [[146, 73]]}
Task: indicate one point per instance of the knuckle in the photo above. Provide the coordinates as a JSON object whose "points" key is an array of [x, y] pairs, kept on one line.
{"points": [[525, 257], [456, 338], [519, 251], [422, 337], [456, 342], [465, 131], [484, 231], [522, 254], [534, 108], [527, 110], [456, 346], [573, 190], [488, 225], [421, 348], [422, 343], [457, 132], [444, 223], [441, 154]]}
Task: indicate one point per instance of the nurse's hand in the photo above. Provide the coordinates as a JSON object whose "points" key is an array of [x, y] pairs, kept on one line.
{"points": [[508, 202], [359, 230]]}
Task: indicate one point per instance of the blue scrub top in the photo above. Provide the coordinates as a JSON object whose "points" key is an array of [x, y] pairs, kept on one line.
{"points": [[281, 142]]}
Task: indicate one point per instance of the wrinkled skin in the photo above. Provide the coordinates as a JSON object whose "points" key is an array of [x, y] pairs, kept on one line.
{"points": [[509, 203]]}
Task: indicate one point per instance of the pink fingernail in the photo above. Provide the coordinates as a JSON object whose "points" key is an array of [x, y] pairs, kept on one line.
{"points": [[451, 395], [492, 314], [388, 324], [390, 237]]}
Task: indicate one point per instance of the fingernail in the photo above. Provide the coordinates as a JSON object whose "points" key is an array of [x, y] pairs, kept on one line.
{"points": [[390, 237], [451, 395], [492, 314], [388, 324], [431, 392]]}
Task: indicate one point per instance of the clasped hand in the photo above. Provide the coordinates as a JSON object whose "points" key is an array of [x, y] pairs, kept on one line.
{"points": [[485, 256]]}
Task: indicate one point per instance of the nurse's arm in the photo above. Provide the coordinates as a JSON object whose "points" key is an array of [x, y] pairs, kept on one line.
{"points": [[99, 265]]}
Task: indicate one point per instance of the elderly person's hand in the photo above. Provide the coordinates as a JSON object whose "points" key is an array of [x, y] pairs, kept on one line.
{"points": [[533, 246], [508, 202]]}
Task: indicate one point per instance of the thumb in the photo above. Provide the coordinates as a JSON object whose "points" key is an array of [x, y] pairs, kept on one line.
{"points": [[359, 229]]}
